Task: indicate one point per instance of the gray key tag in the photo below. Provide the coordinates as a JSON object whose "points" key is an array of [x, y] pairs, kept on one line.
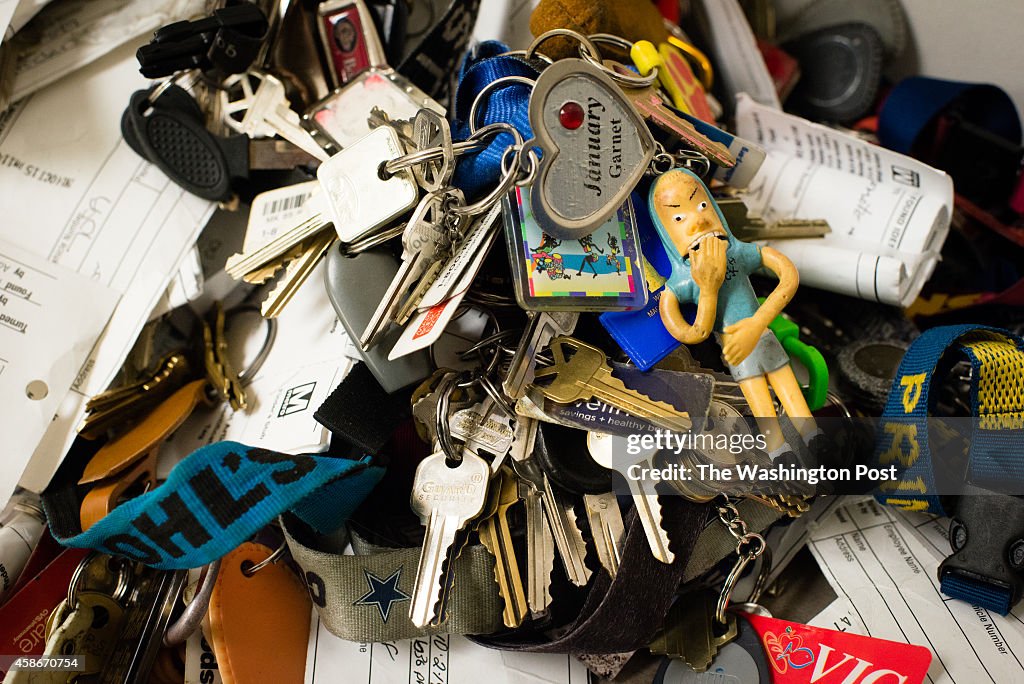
{"points": [[360, 199], [595, 148]]}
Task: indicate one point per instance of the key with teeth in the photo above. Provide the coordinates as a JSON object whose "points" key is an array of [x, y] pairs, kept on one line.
{"points": [[645, 498], [446, 499], [582, 372], [496, 536], [263, 111], [426, 243], [542, 327]]}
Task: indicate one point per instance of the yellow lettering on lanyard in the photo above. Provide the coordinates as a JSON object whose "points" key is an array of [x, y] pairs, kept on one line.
{"points": [[912, 385], [895, 453]]}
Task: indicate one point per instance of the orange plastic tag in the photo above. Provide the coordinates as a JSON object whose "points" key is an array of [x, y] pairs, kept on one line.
{"points": [[259, 624]]}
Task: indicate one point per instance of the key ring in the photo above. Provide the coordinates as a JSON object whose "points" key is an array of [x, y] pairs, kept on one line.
{"points": [[507, 182], [749, 545], [583, 40], [124, 576], [248, 374], [251, 570], [441, 423], [474, 108], [624, 45], [190, 619]]}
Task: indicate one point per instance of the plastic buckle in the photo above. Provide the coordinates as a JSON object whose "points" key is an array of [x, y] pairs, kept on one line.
{"points": [[987, 564]]}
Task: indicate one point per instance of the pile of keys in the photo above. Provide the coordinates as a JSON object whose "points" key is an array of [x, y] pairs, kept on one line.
{"points": [[528, 213]]}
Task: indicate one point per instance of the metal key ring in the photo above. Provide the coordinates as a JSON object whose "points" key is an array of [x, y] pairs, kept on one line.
{"points": [[269, 560], [507, 182], [192, 617], [621, 79], [442, 425], [248, 374], [124, 575], [486, 91], [430, 154], [351, 249], [579, 37], [531, 175], [522, 53]]}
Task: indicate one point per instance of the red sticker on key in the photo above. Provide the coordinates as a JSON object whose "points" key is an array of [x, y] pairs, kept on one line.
{"points": [[801, 654]]}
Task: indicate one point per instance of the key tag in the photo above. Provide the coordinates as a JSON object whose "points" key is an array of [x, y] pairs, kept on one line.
{"points": [[799, 653], [594, 146], [258, 618], [600, 271]]}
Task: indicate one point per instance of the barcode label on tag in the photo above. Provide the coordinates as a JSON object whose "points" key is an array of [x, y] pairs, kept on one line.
{"points": [[286, 204], [276, 211]]}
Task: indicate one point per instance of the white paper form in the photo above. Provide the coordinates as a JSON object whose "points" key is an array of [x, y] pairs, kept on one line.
{"points": [[876, 558], [73, 192], [50, 318], [74, 33], [440, 659], [889, 213]]}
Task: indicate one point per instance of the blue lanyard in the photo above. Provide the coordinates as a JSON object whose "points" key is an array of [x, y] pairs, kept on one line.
{"points": [[221, 495], [996, 455], [477, 173]]}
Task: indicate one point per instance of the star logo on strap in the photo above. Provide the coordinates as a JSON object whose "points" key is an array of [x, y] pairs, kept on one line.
{"points": [[383, 593]]}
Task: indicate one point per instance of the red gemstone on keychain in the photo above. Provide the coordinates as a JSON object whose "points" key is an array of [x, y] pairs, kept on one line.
{"points": [[571, 115]]}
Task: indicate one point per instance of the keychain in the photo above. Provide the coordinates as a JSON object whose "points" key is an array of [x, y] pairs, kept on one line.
{"points": [[711, 268]]}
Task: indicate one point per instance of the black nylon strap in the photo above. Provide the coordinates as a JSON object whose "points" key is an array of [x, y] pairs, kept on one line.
{"points": [[360, 412], [431, 64], [624, 614]]}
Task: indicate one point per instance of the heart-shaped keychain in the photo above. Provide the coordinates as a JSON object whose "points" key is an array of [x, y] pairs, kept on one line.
{"points": [[595, 148]]}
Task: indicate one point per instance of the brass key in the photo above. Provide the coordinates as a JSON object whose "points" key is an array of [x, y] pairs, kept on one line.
{"points": [[691, 632], [650, 106], [496, 536], [586, 374]]}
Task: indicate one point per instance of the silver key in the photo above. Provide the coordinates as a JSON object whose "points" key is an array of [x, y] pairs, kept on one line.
{"points": [[425, 244], [543, 326], [561, 517], [606, 525], [446, 499], [645, 498], [360, 199], [265, 112], [431, 130], [540, 551]]}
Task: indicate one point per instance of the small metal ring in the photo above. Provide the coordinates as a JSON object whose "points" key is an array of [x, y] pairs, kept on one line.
{"points": [[579, 37], [442, 425], [488, 386], [507, 182], [272, 558], [247, 375], [429, 154], [833, 398], [486, 91], [522, 53], [124, 575], [623, 44], [192, 617]]}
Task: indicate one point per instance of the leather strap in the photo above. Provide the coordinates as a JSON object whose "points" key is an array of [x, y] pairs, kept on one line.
{"points": [[259, 623]]}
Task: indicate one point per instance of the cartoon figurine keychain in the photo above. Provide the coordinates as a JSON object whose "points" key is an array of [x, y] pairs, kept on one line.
{"points": [[711, 268]]}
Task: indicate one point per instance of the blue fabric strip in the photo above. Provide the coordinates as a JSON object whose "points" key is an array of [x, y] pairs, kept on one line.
{"points": [[222, 494], [903, 430], [476, 174], [916, 101]]}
